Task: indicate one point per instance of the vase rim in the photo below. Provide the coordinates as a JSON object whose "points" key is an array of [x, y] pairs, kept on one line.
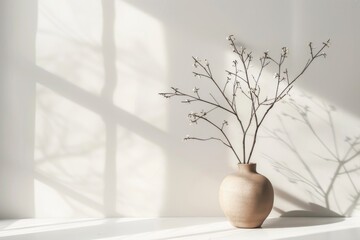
{"points": [[251, 167]]}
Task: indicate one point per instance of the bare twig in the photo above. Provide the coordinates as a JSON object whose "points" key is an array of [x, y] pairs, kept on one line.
{"points": [[249, 86]]}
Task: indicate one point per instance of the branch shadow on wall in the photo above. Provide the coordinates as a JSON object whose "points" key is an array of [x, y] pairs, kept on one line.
{"points": [[335, 190]]}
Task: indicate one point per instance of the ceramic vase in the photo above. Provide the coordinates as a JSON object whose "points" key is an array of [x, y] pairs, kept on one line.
{"points": [[246, 197]]}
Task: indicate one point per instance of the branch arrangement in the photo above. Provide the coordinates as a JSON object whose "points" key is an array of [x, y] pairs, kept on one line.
{"points": [[242, 81]]}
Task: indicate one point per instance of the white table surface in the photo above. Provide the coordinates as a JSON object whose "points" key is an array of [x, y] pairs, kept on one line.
{"points": [[178, 228]]}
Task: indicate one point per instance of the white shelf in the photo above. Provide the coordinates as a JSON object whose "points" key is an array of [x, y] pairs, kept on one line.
{"points": [[178, 228]]}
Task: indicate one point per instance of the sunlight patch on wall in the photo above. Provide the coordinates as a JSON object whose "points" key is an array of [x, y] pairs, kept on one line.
{"points": [[68, 41], [69, 157], [141, 64], [141, 173], [82, 162]]}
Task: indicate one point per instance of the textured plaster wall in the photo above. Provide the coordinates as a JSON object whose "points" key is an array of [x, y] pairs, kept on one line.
{"points": [[85, 134]]}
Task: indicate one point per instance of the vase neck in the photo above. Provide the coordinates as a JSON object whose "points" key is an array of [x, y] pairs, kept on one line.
{"points": [[251, 167]]}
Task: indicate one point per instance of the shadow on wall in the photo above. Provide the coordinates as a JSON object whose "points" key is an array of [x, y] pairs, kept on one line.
{"points": [[17, 107], [57, 147], [331, 173], [99, 152], [77, 132]]}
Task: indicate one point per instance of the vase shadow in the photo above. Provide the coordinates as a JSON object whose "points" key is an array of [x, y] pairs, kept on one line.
{"points": [[291, 222], [315, 211]]}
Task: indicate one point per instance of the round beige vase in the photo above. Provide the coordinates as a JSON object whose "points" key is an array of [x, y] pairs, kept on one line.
{"points": [[246, 197]]}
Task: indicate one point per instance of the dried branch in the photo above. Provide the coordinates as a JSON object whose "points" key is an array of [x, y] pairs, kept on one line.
{"points": [[192, 98], [194, 117], [249, 85], [206, 139]]}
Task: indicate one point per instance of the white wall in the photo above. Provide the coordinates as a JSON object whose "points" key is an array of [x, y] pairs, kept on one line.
{"points": [[17, 107], [84, 132]]}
